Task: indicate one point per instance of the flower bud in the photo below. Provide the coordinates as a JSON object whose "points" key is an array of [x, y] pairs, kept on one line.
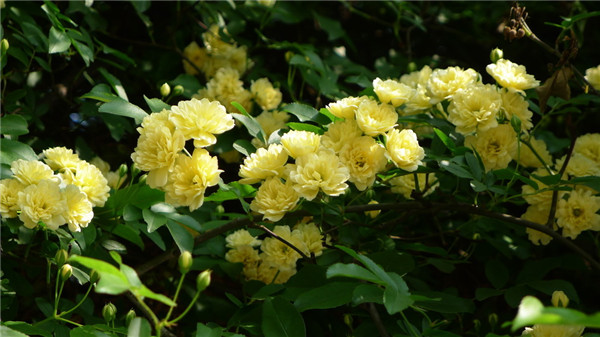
{"points": [[165, 90], [122, 170], [134, 170], [373, 214], [4, 46], [129, 317], [476, 325], [203, 280], [178, 90], [109, 312], [65, 272], [560, 299], [412, 67], [61, 257], [288, 55], [493, 319], [94, 276], [185, 262], [496, 54]]}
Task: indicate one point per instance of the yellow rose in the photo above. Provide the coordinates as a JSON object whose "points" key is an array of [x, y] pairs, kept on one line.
{"points": [[195, 58], [539, 214], [578, 213], [579, 166], [589, 145], [29, 172], [497, 146], [60, 158], [592, 75], [403, 149], [311, 236], [406, 184], [339, 134], [274, 198], [226, 87], [511, 76], [375, 119], [298, 143], [264, 163], [9, 197], [527, 158], [320, 171], [241, 237], [443, 83], [265, 95], [392, 92], [514, 104], [79, 209], [280, 254], [346, 107], [90, 180], [43, 202], [364, 158], [475, 108]]}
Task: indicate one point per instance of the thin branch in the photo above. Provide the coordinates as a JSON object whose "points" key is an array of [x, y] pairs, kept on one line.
{"points": [[284, 241], [377, 320]]}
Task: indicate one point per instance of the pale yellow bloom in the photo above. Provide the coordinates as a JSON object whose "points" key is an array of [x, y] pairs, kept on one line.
{"points": [[537, 213], [197, 56], [511, 76], [157, 149], [579, 166], [375, 119], [592, 75], [79, 209], [534, 197], [475, 108], [589, 146], [61, 158], [9, 197], [578, 213], [274, 198], [405, 184], [102, 165], [299, 143], [417, 78], [320, 171], [241, 237], [265, 95], [226, 87], [242, 254], [346, 107], [155, 120], [443, 83], [339, 134], [392, 92], [514, 104], [527, 158], [280, 254], [497, 146], [90, 180], [271, 121], [269, 272], [43, 202], [264, 163], [114, 178], [190, 177], [364, 158], [418, 102], [201, 120], [403, 149], [29, 172], [212, 39], [312, 237], [231, 56]]}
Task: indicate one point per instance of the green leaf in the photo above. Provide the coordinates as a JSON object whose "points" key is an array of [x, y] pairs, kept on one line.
{"points": [[445, 139], [456, 169], [244, 147], [86, 53], [112, 245], [139, 327], [497, 273], [156, 104], [367, 293], [87, 331], [330, 295], [305, 127], [397, 297], [8, 332], [443, 302], [589, 181], [11, 150], [234, 191], [100, 92], [14, 125], [129, 234], [474, 165], [114, 82], [532, 311], [112, 280], [306, 113], [510, 174], [190, 84], [183, 238], [121, 107], [205, 331], [26, 328], [353, 271], [58, 41], [154, 220], [281, 319], [254, 129]]}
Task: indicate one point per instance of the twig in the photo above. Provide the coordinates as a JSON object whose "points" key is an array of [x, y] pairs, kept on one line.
{"points": [[377, 320], [284, 241]]}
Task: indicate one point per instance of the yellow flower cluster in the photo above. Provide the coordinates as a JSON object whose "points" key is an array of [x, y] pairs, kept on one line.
{"points": [[577, 209], [215, 55], [559, 299], [160, 150], [270, 260], [63, 189], [592, 75]]}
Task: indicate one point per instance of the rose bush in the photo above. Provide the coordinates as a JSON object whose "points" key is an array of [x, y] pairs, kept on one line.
{"points": [[299, 169]]}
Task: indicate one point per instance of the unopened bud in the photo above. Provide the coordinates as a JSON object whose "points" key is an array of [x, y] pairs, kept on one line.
{"points": [[178, 90], [61, 257], [496, 55], [412, 67], [560, 299], [4, 46], [185, 262], [94, 276], [122, 170], [493, 319], [220, 209], [203, 280], [374, 213], [476, 324], [109, 312], [520, 33], [65, 272], [165, 90], [129, 317], [288, 55]]}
